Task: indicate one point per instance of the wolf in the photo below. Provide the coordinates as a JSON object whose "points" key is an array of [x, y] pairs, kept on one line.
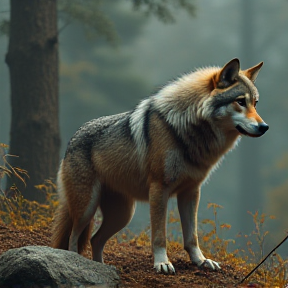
{"points": [[165, 147]]}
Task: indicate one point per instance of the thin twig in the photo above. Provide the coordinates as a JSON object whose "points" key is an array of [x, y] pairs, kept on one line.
{"points": [[247, 276], [15, 170]]}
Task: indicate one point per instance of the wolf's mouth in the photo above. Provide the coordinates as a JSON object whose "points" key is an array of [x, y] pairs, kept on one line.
{"points": [[241, 130], [244, 132]]}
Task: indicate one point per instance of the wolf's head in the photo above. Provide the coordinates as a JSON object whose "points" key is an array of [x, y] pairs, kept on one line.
{"points": [[235, 96], [224, 96]]}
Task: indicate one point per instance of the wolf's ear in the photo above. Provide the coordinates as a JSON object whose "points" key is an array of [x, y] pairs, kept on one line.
{"points": [[252, 72], [228, 73]]}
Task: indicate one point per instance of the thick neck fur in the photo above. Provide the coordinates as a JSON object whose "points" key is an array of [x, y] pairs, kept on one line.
{"points": [[186, 105], [206, 143]]}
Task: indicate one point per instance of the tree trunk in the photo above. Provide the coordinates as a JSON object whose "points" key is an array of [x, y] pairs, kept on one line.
{"points": [[33, 64]]}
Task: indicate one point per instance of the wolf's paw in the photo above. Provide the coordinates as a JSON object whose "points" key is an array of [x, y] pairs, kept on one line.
{"points": [[198, 258], [164, 267], [210, 264]]}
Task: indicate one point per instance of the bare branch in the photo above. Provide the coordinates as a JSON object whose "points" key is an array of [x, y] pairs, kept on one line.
{"points": [[248, 275]]}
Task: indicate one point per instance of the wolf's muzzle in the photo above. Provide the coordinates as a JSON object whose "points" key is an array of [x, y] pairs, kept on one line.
{"points": [[257, 130]]}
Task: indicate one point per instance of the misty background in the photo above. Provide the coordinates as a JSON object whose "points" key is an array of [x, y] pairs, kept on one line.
{"points": [[97, 78]]}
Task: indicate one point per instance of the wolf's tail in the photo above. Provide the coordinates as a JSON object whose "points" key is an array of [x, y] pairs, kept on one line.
{"points": [[65, 219], [61, 228]]}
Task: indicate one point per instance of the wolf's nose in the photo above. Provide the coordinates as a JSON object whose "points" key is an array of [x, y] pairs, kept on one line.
{"points": [[263, 127]]}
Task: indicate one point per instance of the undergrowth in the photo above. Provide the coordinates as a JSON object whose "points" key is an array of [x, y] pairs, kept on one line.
{"points": [[17, 211], [273, 273], [23, 214]]}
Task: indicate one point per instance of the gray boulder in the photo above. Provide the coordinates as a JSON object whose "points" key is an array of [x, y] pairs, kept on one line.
{"points": [[41, 266]]}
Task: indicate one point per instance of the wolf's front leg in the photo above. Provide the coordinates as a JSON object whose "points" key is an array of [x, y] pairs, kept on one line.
{"points": [[158, 207], [188, 208]]}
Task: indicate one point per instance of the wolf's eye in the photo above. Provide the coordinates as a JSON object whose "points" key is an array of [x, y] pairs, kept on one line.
{"points": [[241, 102]]}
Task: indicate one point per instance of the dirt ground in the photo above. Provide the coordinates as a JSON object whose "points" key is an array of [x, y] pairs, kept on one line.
{"points": [[134, 263]]}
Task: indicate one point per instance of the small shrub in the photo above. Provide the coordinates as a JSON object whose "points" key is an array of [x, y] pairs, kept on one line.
{"points": [[17, 211], [24, 214]]}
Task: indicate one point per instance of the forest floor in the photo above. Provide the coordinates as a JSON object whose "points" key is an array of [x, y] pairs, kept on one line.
{"points": [[134, 262]]}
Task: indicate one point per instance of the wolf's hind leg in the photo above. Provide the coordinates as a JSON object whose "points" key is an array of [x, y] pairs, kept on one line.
{"points": [[82, 219], [117, 211], [188, 209]]}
